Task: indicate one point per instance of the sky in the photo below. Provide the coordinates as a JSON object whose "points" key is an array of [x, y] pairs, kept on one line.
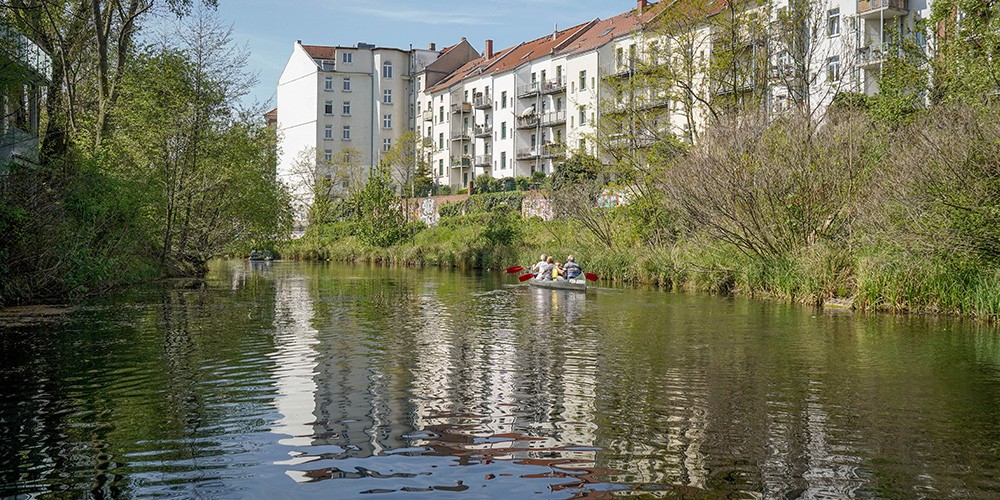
{"points": [[269, 28]]}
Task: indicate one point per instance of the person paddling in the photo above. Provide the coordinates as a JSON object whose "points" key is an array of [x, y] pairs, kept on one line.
{"points": [[537, 267], [572, 269]]}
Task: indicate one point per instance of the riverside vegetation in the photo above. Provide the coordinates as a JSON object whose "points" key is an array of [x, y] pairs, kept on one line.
{"points": [[148, 167], [888, 203]]}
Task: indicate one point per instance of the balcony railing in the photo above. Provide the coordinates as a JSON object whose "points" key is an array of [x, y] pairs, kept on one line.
{"points": [[484, 161], [528, 121], [553, 118], [529, 90], [483, 101], [460, 135], [25, 53], [428, 116], [553, 150], [529, 153], [881, 8], [483, 131], [427, 142], [461, 107], [554, 85], [464, 161]]}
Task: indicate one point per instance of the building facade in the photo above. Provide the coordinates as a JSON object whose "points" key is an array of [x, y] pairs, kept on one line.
{"points": [[25, 70], [342, 107], [597, 87]]}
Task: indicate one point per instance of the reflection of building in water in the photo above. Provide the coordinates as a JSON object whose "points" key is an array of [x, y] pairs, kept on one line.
{"points": [[296, 357]]}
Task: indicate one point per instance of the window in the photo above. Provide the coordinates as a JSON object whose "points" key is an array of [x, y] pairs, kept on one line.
{"points": [[583, 116], [387, 120], [620, 58], [328, 132], [328, 83], [348, 57], [440, 167], [503, 130], [347, 108], [441, 114], [328, 108], [583, 144], [833, 69], [328, 155], [346, 133], [503, 100], [328, 65], [441, 141], [559, 104], [387, 98], [347, 84], [386, 144], [833, 22], [387, 70], [583, 80], [503, 160]]}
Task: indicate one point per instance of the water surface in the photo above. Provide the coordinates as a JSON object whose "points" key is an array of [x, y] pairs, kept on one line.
{"points": [[294, 380]]}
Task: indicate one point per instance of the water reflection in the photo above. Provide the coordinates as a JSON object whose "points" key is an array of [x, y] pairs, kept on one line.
{"points": [[308, 381]]}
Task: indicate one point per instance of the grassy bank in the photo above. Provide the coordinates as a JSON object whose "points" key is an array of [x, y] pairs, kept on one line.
{"points": [[866, 280]]}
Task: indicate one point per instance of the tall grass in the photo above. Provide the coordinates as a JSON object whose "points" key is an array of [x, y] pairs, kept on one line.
{"points": [[871, 280]]}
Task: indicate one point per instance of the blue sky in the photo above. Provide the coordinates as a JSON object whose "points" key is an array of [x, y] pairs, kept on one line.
{"points": [[270, 27]]}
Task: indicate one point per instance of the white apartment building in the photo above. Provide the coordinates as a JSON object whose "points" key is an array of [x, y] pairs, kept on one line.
{"points": [[523, 109], [356, 99]]}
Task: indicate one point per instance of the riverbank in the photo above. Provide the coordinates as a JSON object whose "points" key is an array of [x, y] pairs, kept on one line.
{"points": [[865, 280]]}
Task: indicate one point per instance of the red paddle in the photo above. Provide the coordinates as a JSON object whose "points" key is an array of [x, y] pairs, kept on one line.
{"points": [[514, 269], [525, 277], [591, 276]]}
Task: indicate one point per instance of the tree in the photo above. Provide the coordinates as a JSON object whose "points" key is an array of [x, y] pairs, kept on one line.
{"points": [[90, 43], [206, 168]]}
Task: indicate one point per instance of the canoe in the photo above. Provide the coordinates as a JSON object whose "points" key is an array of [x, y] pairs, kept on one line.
{"points": [[579, 285]]}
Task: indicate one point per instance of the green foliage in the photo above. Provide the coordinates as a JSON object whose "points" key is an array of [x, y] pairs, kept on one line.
{"points": [[507, 201], [379, 218]]}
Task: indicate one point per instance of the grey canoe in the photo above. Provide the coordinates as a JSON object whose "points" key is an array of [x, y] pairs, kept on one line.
{"points": [[575, 284]]}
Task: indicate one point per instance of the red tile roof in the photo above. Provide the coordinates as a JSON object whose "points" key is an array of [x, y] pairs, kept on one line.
{"points": [[320, 51], [512, 57]]}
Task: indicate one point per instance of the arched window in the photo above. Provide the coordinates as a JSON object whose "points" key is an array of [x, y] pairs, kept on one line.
{"points": [[387, 69]]}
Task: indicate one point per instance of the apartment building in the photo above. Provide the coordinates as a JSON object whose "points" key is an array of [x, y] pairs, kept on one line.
{"points": [[524, 109], [588, 88], [350, 104], [26, 70]]}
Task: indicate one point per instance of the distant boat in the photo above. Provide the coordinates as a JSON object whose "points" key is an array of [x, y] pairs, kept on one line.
{"points": [[579, 285], [260, 255]]}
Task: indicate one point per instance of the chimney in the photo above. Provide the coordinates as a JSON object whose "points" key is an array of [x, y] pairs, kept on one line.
{"points": [[432, 46], [641, 5], [489, 49]]}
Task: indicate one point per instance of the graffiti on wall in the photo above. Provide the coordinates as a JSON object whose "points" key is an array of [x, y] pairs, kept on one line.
{"points": [[427, 212], [536, 207]]}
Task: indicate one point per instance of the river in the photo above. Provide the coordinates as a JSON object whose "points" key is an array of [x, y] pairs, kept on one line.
{"points": [[296, 380]]}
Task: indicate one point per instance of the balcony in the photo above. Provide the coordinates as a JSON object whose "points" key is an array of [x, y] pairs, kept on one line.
{"points": [[554, 86], [428, 116], [484, 161], [483, 101], [528, 121], [26, 54], [483, 131], [869, 56], [460, 135], [881, 9], [529, 153], [427, 142], [463, 161], [461, 107], [553, 150], [529, 90], [553, 118]]}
